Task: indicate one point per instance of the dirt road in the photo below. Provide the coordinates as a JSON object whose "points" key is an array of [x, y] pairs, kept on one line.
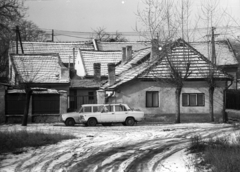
{"points": [[146, 148]]}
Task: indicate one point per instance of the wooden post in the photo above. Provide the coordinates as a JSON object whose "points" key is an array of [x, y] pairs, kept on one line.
{"points": [[52, 35]]}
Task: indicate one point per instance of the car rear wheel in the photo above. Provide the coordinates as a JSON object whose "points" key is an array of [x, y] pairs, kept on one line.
{"points": [[92, 122], [130, 122], [70, 122]]}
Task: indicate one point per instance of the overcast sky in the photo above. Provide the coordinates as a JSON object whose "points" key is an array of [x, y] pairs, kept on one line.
{"points": [[86, 15]]}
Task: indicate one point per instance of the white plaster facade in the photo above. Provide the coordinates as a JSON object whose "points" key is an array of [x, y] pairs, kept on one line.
{"points": [[133, 93]]}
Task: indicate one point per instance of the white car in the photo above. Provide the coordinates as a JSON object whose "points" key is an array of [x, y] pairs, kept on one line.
{"points": [[105, 114]]}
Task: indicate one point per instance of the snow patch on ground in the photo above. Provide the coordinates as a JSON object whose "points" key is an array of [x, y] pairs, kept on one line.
{"points": [[158, 147]]}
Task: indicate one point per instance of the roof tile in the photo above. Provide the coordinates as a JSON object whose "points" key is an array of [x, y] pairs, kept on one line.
{"points": [[65, 49], [91, 57], [160, 68], [39, 68]]}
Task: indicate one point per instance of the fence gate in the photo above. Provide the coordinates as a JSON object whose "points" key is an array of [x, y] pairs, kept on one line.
{"points": [[45, 103], [233, 99], [75, 102], [15, 103]]}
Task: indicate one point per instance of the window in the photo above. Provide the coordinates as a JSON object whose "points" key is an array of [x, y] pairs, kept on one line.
{"points": [[119, 108], [91, 95], [193, 99], [152, 99], [109, 108]]}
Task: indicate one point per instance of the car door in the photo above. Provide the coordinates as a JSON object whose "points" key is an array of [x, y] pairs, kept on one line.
{"points": [[121, 113], [108, 114]]}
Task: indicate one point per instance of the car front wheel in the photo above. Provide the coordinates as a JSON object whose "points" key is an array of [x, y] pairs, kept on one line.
{"points": [[92, 122], [70, 122], [130, 122]]}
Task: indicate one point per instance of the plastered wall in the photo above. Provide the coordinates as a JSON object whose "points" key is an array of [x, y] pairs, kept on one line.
{"points": [[134, 94]]}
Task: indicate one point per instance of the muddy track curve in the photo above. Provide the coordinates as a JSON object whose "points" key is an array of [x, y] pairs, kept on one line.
{"points": [[116, 148]]}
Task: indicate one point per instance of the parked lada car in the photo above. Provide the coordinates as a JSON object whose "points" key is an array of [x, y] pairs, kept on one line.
{"points": [[105, 114]]}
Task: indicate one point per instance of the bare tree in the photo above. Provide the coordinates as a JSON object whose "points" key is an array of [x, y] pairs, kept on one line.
{"points": [[179, 73], [10, 12], [31, 32], [212, 16], [31, 69], [100, 34], [161, 19], [168, 20]]}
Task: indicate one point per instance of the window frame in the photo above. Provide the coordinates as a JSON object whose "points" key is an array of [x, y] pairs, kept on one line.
{"points": [[188, 99], [152, 92]]}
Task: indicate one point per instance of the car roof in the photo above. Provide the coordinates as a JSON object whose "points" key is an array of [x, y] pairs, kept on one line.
{"points": [[102, 104]]}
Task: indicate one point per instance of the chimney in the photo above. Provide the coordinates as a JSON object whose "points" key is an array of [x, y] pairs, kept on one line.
{"points": [[97, 71], [155, 49], [124, 58], [129, 53], [111, 73]]}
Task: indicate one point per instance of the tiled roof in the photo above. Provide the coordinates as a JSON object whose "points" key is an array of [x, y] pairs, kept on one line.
{"points": [[64, 49], [108, 46], [181, 53], [179, 57], [91, 57], [137, 58], [39, 68], [224, 54]]}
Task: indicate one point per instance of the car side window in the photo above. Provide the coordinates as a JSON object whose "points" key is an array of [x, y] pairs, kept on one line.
{"points": [[95, 108], [109, 108], [87, 109], [120, 108]]}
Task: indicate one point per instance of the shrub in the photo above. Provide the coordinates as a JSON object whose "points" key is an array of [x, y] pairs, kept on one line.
{"points": [[11, 141], [219, 153]]}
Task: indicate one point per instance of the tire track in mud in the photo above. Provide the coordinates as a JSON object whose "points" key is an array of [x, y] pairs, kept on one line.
{"points": [[134, 157], [125, 149]]}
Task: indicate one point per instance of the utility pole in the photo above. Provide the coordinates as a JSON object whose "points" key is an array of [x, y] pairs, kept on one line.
{"points": [[18, 36], [20, 39], [213, 47]]}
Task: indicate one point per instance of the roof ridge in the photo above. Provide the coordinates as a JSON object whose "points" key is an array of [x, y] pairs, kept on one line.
{"points": [[36, 54], [44, 42]]}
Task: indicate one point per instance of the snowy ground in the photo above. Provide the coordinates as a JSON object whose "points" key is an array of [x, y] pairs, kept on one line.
{"points": [[145, 148]]}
